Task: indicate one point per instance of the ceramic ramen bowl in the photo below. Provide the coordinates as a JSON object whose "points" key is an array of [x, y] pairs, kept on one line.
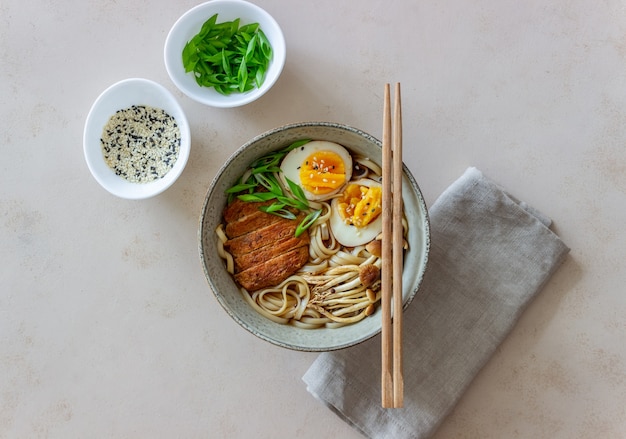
{"points": [[227, 292]]}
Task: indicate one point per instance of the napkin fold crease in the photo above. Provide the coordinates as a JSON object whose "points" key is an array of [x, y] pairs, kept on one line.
{"points": [[490, 255]]}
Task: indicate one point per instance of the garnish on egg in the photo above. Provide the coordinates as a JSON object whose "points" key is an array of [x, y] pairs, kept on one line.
{"points": [[360, 205], [322, 172], [320, 168], [356, 215]]}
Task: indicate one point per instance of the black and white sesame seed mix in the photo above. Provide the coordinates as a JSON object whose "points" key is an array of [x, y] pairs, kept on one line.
{"points": [[141, 143]]}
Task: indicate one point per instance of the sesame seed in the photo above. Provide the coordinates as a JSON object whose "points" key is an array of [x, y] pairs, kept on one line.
{"points": [[141, 143]]}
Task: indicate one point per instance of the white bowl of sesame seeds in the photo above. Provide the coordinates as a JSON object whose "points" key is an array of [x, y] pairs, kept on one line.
{"points": [[136, 139]]}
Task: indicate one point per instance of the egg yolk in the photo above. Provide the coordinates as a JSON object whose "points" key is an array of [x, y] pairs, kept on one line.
{"points": [[360, 205], [322, 172]]}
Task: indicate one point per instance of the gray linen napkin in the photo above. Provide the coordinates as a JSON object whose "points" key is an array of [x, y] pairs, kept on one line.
{"points": [[490, 255]]}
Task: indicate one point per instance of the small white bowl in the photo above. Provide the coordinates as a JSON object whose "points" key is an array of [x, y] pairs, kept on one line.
{"points": [[189, 24], [121, 95]]}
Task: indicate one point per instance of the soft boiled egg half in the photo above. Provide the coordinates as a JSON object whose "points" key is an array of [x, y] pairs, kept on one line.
{"points": [[355, 217], [319, 167]]}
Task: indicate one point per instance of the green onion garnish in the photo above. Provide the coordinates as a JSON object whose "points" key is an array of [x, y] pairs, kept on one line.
{"points": [[262, 185], [228, 57], [307, 222]]}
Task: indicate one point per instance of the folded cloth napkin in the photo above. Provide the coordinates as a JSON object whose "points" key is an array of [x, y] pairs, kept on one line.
{"points": [[490, 255]]}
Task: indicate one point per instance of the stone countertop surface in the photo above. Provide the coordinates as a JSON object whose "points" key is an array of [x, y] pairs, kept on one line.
{"points": [[107, 325]]}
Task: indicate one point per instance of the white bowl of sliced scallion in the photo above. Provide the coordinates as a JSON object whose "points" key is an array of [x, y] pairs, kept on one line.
{"points": [[225, 53]]}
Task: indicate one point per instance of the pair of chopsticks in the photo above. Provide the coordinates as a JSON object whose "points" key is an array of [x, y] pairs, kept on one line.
{"points": [[392, 248]]}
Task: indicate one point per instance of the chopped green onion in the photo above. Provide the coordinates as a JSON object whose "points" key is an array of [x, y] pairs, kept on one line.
{"points": [[257, 197], [228, 57], [240, 188], [307, 222], [296, 144], [278, 209], [262, 185], [293, 202], [297, 191]]}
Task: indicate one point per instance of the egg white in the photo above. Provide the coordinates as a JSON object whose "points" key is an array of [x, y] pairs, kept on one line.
{"points": [[290, 166], [349, 235]]}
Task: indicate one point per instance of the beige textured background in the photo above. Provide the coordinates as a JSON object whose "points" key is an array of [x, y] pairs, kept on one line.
{"points": [[107, 326]]}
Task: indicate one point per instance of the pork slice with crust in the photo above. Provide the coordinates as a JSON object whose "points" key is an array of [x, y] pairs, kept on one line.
{"points": [[239, 209], [261, 237], [264, 246], [273, 271], [249, 223], [262, 254]]}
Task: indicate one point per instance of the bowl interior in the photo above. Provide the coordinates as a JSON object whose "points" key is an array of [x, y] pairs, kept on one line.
{"points": [[225, 289], [124, 94], [189, 24]]}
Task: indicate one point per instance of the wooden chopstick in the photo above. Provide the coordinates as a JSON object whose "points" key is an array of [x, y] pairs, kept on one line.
{"points": [[392, 387], [398, 238], [386, 255]]}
